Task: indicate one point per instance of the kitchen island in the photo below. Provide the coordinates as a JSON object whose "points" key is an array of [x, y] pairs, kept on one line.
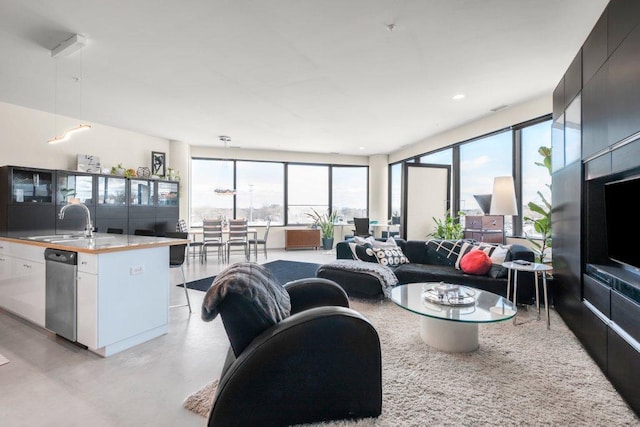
{"points": [[122, 285]]}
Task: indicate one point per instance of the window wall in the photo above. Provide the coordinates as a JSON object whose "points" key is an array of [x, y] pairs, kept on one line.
{"points": [[284, 192], [535, 178], [307, 188], [512, 152], [349, 192]]}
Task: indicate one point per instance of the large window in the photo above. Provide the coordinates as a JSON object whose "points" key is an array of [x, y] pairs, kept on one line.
{"points": [[307, 188], [349, 191], [260, 192], [256, 190], [211, 186], [535, 178], [395, 190], [481, 161]]}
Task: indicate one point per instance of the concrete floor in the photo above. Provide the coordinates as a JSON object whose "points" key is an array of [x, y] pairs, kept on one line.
{"points": [[51, 382]]}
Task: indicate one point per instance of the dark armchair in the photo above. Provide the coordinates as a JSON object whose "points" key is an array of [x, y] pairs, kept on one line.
{"points": [[298, 353]]}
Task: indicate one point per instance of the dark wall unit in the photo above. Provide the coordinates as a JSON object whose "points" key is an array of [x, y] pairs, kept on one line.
{"points": [[26, 199], [599, 298], [74, 185], [112, 208], [30, 200], [594, 50]]}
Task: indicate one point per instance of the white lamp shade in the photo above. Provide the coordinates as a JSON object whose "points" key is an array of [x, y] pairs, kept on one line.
{"points": [[503, 199]]}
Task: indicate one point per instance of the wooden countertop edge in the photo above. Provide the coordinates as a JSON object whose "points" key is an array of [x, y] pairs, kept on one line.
{"points": [[95, 251]]}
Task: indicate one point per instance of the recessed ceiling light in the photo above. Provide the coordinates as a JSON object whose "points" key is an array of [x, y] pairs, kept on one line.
{"points": [[458, 96], [362, 148]]}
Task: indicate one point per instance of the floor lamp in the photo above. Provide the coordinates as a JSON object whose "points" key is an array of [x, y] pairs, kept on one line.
{"points": [[503, 199]]}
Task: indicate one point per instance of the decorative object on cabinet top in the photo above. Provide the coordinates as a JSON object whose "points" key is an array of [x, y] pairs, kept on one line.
{"points": [[88, 163]]}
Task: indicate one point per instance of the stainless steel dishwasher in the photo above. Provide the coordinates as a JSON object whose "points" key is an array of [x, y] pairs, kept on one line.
{"points": [[61, 292]]}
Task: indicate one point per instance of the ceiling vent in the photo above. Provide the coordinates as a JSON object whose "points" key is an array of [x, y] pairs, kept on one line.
{"points": [[500, 108]]}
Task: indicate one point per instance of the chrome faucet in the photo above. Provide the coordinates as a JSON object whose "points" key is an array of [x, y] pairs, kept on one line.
{"points": [[88, 228]]}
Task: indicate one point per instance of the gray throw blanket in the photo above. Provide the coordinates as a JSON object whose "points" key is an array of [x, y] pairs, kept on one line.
{"points": [[254, 282]]}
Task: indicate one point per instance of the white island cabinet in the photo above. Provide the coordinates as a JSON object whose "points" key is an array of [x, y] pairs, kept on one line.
{"points": [[122, 287], [22, 277]]}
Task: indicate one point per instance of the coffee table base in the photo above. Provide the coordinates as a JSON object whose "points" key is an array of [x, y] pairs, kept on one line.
{"points": [[446, 335]]}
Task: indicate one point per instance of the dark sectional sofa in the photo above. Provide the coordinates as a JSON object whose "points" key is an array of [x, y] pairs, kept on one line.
{"points": [[427, 265]]}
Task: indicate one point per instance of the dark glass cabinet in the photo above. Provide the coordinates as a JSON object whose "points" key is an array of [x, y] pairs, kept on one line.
{"points": [[31, 198], [26, 199]]}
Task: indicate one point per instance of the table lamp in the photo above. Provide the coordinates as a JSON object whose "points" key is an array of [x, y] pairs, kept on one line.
{"points": [[503, 198]]}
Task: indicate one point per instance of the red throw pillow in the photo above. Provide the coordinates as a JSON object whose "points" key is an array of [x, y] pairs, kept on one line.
{"points": [[476, 262]]}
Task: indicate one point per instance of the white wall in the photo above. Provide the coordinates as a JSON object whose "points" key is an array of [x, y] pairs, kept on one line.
{"points": [[495, 121], [378, 187], [24, 134]]}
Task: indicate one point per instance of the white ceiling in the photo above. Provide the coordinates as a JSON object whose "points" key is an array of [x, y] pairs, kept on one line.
{"points": [[297, 75]]}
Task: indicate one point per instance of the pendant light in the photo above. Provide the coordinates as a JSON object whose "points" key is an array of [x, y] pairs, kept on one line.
{"points": [[219, 191], [73, 44]]}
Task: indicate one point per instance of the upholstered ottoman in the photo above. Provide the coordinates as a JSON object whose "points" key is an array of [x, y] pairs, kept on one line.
{"points": [[359, 278]]}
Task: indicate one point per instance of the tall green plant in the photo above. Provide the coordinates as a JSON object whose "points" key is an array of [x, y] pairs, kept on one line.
{"points": [[542, 221], [324, 222], [448, 228]]}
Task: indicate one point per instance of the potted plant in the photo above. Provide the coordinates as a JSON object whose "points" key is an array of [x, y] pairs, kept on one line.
{"points": [[325, 223], [541, 222], [448, 228]]}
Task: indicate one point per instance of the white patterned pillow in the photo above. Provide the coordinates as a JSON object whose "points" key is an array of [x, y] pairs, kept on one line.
{"points": [[498, 255], [464, 249], [390, 257]]}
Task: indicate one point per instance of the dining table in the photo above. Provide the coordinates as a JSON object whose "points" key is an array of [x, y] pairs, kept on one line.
{"points": [[195, 233]]}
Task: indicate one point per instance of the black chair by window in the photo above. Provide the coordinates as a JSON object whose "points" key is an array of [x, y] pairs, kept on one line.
{"points": [[143, 232], [298, 353], [362, 227], [263, 241], [112, 230], [177, 255]]}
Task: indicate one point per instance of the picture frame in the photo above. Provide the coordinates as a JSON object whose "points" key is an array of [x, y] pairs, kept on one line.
{"points": [[158, 163]]}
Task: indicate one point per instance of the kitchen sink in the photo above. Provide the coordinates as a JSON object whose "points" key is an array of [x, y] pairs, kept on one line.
{"points": [[63, 238]]}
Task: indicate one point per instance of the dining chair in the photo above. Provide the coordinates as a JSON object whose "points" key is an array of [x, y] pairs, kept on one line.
{"points": [[263, 241], [195, 246], [177, 255], [212, 238], [238, 236]]}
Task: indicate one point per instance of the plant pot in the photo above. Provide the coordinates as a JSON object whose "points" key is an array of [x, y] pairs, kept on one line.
{"points": [[327, 243]]}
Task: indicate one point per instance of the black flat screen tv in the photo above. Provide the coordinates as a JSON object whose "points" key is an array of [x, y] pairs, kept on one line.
{"points": [[622, 233]]}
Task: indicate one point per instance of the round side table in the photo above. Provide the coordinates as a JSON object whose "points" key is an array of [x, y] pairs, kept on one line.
{"points": [[532, 267]]}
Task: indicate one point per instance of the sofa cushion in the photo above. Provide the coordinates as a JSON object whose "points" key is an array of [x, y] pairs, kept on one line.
{"points": [[391, 257], [363, 252], [447, 251], [475, 262]]}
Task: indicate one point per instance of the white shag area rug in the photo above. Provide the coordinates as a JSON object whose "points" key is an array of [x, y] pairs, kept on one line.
{"points": [[520, 375]]}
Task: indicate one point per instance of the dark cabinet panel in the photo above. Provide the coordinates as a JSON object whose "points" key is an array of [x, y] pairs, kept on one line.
{"points": [[625, 157], [624, 89], [595, 113], [566, 218], [624, 369], [626, 313], [30, 217], [111, 216], [622, 17], [558, 100], [573, 79], [594, 50], [597, 294], [598, 167], [568, 306], [594, 337]]}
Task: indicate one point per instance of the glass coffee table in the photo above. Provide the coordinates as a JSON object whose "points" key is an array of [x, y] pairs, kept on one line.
{"points": [[450, 314]]}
